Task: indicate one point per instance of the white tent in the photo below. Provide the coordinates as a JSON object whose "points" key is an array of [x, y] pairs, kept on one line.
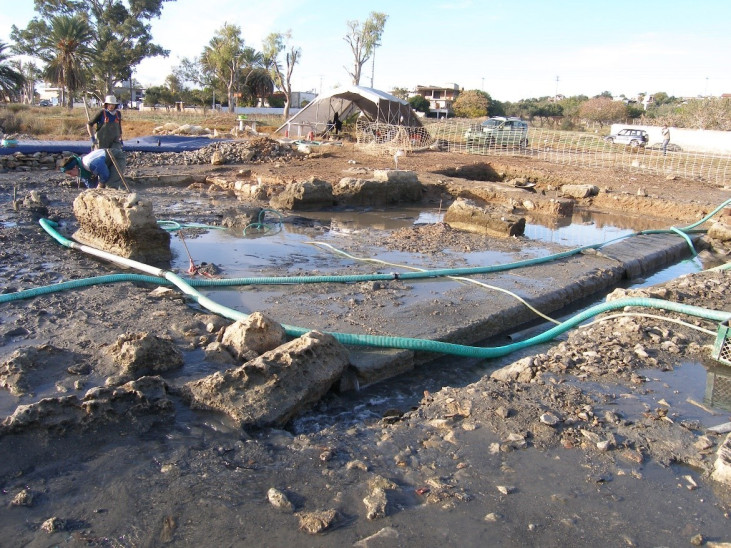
{"points": [[376, 106]]}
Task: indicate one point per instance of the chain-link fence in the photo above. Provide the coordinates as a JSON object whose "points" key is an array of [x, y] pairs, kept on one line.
{"points": [[561, 147]]}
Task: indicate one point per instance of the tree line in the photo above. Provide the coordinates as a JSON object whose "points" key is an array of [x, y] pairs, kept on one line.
{"points": [[92, 46], [571, 113]]}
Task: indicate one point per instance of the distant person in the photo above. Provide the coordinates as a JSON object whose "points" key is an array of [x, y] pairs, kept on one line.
{"points": [[337, 124], [665, 139], [108, 135], [93, 169]]}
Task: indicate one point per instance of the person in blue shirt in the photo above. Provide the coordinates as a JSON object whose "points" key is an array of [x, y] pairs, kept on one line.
{"points": [[92, 169]]}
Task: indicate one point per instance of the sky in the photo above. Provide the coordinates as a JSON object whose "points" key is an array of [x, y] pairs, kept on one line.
{"points": [[511, 49]]}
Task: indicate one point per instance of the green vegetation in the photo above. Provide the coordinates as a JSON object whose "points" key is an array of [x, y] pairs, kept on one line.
{"points": [[10, 79], [419, 103], [471, 104], [116, 37]]}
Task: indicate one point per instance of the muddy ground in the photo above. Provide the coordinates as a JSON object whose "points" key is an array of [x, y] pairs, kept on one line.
{"points": [[595, 439]]}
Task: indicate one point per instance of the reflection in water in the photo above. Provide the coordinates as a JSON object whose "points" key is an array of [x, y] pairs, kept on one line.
{"points": [[718, 388], [587, 227]]}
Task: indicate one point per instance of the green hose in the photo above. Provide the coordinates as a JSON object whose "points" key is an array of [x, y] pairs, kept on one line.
{"points": [[420, 345]]}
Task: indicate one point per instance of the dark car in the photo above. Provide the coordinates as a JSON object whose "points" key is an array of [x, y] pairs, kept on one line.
{"points": [[45, 103], [631, 137]]}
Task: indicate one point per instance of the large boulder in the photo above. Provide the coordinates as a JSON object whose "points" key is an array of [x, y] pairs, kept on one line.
{"points": [[387, 187], [122, 224], [303, 195], [276, 386], [468, 215]]}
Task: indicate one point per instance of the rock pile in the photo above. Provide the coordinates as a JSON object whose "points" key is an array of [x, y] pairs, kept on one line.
{"points": [[255, 151]]}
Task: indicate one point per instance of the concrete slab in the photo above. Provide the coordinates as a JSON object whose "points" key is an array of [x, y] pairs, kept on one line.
{"points": [[480, 315]]}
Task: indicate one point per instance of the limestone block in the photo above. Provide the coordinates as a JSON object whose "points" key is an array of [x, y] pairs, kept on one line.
{"points": [[301, 195], [468, 215], [276, 386], [122, 224]]}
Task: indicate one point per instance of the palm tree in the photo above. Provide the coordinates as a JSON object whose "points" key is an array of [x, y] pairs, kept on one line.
{"points": [[260, 84], [11, 81], [66, 51]]}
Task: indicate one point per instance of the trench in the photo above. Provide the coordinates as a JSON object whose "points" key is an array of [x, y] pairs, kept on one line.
{"points": [[288, 251]]}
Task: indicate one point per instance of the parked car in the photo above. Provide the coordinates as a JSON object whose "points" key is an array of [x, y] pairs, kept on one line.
{"points": [[498, 131], [631, 137], [44, 103]]}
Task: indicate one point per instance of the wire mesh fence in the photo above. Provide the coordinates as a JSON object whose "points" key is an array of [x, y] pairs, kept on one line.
{"points": [[551, 145]]}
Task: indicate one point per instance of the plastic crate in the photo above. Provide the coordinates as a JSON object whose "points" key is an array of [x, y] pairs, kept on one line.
{"points": [[718, 388], [722, 346]]}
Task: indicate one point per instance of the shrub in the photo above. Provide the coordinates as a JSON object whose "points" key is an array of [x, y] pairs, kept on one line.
{"points": [[471, 104]]}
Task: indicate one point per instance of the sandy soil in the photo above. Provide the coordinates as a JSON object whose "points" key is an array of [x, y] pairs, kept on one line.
{"points": [[595, 439]]}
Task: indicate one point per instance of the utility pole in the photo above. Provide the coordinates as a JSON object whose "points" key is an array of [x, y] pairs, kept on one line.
{"points": [[556, 95], [483, 84], [320, 85], [706, 94]]}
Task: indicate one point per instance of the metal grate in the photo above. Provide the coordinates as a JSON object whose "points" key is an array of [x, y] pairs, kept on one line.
{"points": [[722, 346]]}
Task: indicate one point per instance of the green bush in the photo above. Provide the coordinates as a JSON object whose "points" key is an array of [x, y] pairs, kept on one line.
{"points": [[471, 104]]}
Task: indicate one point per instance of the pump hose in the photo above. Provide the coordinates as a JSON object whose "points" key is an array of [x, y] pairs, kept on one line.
{"points": [[420, 345]]}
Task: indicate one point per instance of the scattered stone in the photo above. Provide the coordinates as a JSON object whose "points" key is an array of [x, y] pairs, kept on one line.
{"points": [[26, 497], [385, 533], [506, 489], [53, 525], [317, 522], [550, 419], [520, 371], [279, 500], [492, 517], [375, 503]]}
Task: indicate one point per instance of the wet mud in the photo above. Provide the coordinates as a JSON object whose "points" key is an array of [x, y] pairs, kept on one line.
{"points": [[593, 439]]}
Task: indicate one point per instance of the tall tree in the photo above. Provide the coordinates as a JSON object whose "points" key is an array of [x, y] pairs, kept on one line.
{"points": [[32, 74], [274, 45], [11, 80], [121, 34], [224, 57], [603, 110], [66, 53], [363, 39]]}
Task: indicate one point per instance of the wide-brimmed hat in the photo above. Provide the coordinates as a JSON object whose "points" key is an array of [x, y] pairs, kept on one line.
{"points": [[110, 100]]}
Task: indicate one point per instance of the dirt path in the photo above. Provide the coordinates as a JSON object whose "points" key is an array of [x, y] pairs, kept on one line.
{"points": [[600, 438]]}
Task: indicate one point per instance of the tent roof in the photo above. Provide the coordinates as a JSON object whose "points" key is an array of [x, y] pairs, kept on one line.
{"points": [[376, 105]]}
